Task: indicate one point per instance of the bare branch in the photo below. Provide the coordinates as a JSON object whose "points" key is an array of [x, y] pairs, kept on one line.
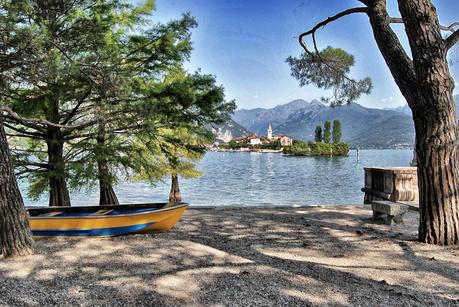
{"points": [[452, 40], [322, 24], [24, 132], [40, 124], [327, 21], [36, 164], [398, 61], [449, 28], [34, 123]]}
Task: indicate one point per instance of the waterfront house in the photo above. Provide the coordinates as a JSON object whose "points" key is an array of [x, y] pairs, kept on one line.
{"points": [[285, 140], [254, 140]]}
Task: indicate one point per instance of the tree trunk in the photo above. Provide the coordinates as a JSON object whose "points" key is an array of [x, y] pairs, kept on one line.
{"points": [[15, 235], [175, 195], [427, 85], [58, 191], [436, 152], [434, 114], [107, 195]]}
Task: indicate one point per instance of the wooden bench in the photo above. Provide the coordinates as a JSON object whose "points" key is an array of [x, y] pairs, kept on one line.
{"points": [[387, 211]]}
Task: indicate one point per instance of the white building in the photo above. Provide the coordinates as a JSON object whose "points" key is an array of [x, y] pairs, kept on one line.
{"points": [[255, 141], [286, 141]]}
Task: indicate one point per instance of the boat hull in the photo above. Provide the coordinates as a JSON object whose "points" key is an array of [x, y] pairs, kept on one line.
{"points": [[104, 221]]}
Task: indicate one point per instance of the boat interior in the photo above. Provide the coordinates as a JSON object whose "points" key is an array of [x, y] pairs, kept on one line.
{"points": [[105, 210]]}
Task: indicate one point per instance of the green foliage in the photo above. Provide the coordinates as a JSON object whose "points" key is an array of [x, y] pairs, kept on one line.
{"points": [[114, 80], [327, 132], [336, 133], [233, 144], [330, 70], [318, 134], [300, 148], [163, 157]]}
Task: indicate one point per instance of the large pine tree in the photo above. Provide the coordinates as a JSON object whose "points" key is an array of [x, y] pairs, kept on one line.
{"points": [[15, 235], [424, 79]]}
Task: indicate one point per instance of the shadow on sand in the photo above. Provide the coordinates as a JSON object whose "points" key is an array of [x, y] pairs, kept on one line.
{"points": [[277, 257]]}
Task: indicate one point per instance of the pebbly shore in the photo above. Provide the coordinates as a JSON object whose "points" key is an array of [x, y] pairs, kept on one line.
{"points": [[317, 256]]}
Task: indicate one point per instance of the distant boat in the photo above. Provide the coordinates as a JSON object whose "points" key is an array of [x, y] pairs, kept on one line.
{"points": [[104, 221], [271, 150]]}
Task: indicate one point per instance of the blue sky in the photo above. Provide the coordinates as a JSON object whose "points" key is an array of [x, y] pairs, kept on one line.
{"points": [[245, 44]]}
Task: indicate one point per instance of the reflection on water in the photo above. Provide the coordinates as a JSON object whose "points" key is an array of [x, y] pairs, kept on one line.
{"points": [[248, 179]]}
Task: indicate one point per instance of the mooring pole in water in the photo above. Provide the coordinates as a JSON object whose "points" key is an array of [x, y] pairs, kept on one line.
{"points": [[358, 153]]}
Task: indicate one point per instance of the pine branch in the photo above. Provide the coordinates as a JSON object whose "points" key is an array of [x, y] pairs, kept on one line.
{"points": [[75, 109], [322, 24]]}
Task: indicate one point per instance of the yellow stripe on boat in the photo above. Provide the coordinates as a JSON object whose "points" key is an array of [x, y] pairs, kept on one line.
{"points": [[162, 219]]}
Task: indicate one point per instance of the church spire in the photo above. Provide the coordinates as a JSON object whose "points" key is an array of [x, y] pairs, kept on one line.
{"points": [[270, 132]]}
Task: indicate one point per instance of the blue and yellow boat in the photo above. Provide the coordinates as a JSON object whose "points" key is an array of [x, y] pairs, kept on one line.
{"points": [[104, 221]]}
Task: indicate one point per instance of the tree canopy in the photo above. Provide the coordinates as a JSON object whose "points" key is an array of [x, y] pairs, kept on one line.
{"points": [[336, 132], [93, 88], [329, 69]]}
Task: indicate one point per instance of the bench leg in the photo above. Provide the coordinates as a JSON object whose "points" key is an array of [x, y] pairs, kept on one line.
{"points": [[382, 217], [398, 219]]}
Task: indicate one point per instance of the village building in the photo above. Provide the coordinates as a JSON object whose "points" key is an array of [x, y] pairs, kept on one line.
{"points": [[286, 141], [254, 140], [270, 132]]}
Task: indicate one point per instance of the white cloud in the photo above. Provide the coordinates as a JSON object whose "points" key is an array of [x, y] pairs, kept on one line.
{"points": [[256, 96], [387, 99]]}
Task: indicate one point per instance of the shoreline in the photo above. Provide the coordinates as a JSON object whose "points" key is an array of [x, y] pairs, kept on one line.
{"points": [[296, 256], [231, 207]]}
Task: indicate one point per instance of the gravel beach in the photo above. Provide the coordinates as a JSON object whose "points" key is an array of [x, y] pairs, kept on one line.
{"points": [[318, 256]]}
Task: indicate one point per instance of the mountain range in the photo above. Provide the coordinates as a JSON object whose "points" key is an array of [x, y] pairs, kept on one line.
{"points": [[228, 131], [361, 126]]}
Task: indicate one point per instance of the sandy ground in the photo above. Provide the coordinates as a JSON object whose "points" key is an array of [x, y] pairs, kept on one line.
{"points": [[320, 256]]}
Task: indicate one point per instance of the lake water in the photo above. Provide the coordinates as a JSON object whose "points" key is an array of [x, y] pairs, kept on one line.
{"points": [[254, 179]]}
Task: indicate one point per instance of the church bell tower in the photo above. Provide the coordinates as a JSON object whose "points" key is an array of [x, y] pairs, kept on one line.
{"points": [[270, 132]]}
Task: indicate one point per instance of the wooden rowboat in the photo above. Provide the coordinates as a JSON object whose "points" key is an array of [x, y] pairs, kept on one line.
{"points": [[103, 221]]}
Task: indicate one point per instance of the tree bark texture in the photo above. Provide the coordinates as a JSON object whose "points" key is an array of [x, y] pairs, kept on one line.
{"points": [[434, 113], [107, 194], [427, 85], [175, 195], [15, 235], [58, 192]]}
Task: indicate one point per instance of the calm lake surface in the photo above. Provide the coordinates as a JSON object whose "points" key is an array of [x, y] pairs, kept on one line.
{"points": [[254, 179]]}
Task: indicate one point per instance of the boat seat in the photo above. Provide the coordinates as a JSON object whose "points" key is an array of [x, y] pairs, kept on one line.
{"points": [[52, 213], [102, 212]]}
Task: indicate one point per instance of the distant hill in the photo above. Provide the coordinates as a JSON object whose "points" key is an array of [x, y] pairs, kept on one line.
{"points": [[229, 130], [405, 110], [257, 120], [365, 127]]}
